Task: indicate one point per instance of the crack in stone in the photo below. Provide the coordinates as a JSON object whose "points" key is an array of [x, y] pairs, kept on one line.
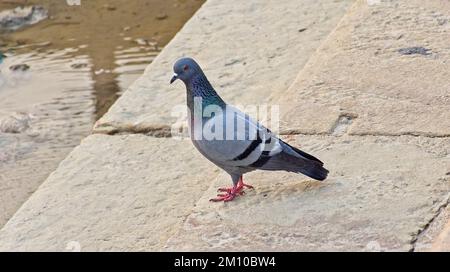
{"points": [[412, 133], [441, 208], [157, 132], [289, 132]]}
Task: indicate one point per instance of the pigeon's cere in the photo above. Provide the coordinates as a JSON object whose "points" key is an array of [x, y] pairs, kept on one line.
{"points": [[252, 146]]}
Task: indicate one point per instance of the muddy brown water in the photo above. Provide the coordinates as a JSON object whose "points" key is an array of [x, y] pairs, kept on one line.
{"points": [[78, 62]]}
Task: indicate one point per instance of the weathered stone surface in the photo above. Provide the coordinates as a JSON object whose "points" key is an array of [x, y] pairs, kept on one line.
{"points": [[24, 166], [248, 49], [442, 242], [143, 193], [380, 193], [112, 193], [436, 237], [360, 72]]}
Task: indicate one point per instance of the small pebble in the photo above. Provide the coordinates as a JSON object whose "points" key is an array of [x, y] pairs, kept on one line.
{"points": [[110, 8], [414, 50], [79, 65], [19, 67], [161, 16]]}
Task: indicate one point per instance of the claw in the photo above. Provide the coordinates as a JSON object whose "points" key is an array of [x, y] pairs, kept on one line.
{"points": [[231, 193], [224, 198], [227, 190]]}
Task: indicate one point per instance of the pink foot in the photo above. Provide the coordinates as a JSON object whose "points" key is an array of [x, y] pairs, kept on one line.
{"points": [[231, 193]]}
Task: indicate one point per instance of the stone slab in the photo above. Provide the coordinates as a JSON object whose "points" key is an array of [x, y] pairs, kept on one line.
{"points": [[363, 72], [248, 49], [112, 193], [442, 243], [140, 193], [381, 192]]}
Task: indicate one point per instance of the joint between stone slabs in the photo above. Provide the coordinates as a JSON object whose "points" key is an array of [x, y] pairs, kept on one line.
{"points": [[441, 208], [412, 134], [293, 132], [165, 132], [157, 132]]}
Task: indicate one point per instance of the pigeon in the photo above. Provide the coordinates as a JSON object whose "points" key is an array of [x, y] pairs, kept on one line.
{"points": [[232, 140]]}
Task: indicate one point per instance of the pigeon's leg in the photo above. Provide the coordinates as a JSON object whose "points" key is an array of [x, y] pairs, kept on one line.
{"points": [[236, 184], [239, 186], [231, 193], [245, 185]]}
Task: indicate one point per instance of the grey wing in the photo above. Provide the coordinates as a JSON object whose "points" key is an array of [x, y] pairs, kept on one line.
{"points": [[245, 143], [254, 147]]}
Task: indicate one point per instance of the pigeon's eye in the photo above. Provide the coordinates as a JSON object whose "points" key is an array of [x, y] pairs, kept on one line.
{"points": [[185, 68]]}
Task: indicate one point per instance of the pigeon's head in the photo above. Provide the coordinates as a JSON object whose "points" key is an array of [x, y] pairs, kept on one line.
{"points": [[185, 69]]}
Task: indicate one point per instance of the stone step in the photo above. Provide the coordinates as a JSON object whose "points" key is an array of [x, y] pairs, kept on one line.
{"points": [[233, 40], [442, 243], [248, 49], [335, 95], [112, 193], [383, 71], [382, 112], [436, 237], [134, 192], [381, 193]]}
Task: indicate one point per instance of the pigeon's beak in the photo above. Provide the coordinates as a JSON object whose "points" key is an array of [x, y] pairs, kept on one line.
{"points": [[175, 77]]}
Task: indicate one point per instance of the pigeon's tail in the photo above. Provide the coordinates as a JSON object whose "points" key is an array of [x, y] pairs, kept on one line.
{"points": [[292, 159], [314, 170], [311, 168]]}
